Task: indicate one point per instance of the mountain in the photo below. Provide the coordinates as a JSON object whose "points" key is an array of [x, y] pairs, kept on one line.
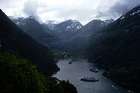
{"points": [[79, 41], [117, 49], [36, 30], [16, 41], [69, 25], [94, 25], [63, 31], [73, 38]]}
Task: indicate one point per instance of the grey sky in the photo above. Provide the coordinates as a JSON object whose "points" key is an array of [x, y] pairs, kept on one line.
{"points": [[60, 10]]}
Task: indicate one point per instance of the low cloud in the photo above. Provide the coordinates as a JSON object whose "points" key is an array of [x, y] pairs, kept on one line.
{"points": [[119, 8], [31, 8], [82, 10]]}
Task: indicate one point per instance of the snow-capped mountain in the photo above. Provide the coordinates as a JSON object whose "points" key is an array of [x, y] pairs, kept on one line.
{"points": [[69, 25]]}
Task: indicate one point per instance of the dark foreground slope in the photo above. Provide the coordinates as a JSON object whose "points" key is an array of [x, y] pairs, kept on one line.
{"points": [[16, 41], [18, 75], [117, 48]]}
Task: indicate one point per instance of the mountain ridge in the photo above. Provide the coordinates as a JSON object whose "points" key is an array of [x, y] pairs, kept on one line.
{"points": [[14, 40], [117, 49]]}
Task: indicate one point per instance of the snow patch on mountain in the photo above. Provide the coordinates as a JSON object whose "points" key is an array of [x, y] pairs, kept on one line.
{"points": [[74, 25], [135, 13]]}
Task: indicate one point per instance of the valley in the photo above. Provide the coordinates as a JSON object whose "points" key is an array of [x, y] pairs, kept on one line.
{"points": [[102, 56]]}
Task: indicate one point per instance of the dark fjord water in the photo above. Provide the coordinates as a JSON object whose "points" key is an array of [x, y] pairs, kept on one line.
{"points": [[78, 69]]}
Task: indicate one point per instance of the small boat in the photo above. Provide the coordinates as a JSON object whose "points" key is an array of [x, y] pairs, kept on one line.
{"points": [[70, 62], [92, 79], [94, 70]]}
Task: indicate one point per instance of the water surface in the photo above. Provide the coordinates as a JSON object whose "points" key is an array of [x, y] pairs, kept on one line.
{"points": [[80, 68]]}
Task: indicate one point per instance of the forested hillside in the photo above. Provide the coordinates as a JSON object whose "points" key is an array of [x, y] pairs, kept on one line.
{"points": [[117, 49]]}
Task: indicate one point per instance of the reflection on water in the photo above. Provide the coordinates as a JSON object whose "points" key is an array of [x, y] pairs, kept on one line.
{"points": [[79, 69]]}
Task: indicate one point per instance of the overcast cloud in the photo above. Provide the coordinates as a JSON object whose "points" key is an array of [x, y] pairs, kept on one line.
{"points": [[60, 10]]}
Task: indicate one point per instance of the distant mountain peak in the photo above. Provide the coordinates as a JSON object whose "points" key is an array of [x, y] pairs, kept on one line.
{"points": [[68, 25]]}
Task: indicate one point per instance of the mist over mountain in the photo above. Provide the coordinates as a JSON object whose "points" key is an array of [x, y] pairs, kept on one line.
{"points": [[50, 24]]}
